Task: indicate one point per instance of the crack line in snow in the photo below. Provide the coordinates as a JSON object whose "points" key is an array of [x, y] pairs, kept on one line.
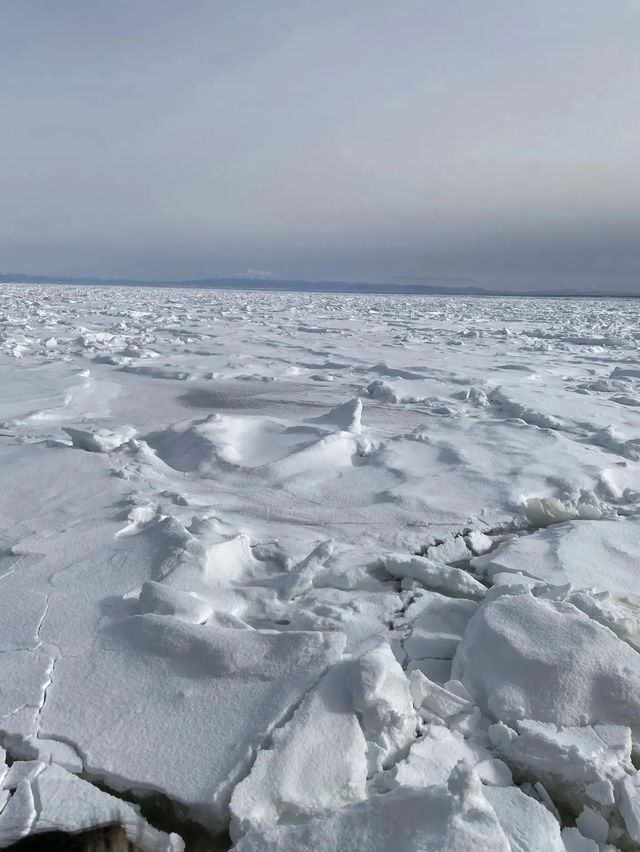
{"points": [[42, 620]]}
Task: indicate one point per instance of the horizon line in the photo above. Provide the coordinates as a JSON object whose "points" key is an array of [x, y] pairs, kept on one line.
{"points": [[294, 285]]}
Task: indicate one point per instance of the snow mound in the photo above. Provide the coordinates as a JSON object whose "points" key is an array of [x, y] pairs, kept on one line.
{"points": [[211, 445], [510, 408], [526, 658], [162, 599], [346, 416], [202, 446]]}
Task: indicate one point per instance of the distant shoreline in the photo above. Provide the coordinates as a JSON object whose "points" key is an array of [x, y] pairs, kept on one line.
{"points": [[299, 286]]}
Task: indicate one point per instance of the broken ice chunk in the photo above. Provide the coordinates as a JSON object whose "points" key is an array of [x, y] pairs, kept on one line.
{"points": [[479, 543], [494, 772], [453, 550], [434, 575], [439, 671], [629, 792], [300, 579], [232, 685], [528, 825], [22, 770], [432, 759], [575, 763], [383, 702], [588, 554], [574, 841], [437, 624], [593, 825], [436, 699], [100, 441], [18, 815], [54, 751], [431, 819], [315, 763], [24, 676], [163, 599]]}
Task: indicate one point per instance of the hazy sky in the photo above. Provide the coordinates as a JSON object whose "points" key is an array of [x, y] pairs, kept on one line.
{"points": [[491, 141]]}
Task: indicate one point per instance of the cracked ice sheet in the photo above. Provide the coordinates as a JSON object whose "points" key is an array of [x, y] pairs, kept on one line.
{"points": [[24, 664], [359, 718], [187, 705], [316, 763], [69, 804], [603, 555], [66, 550], [24, 676]]}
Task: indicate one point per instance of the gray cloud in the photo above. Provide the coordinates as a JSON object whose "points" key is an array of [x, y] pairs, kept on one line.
{"points": [[495, 141]]}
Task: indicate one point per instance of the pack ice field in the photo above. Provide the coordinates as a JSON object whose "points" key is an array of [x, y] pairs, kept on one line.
{"points": [[321, 572]]}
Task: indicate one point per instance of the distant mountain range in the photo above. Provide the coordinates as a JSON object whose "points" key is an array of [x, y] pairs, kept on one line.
{"points": [[299, 286]]}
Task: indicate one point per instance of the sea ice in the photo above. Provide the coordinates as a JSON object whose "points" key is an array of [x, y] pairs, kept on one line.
{"points": [[233, 686], [601, 555], [430, 819], [382, 700], [576, 764], [522, 657], [314, 764], [528, 825], [445, 579], [222, 602]]}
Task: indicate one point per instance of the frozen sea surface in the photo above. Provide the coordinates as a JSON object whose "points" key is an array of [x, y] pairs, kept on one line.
{"points": [[321, 572]]}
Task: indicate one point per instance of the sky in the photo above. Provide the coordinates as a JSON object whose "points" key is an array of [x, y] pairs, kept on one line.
{"points": [[492, 143]]}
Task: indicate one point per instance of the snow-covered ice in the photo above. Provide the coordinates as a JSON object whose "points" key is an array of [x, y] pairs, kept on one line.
{"points": [[331, 572]]}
